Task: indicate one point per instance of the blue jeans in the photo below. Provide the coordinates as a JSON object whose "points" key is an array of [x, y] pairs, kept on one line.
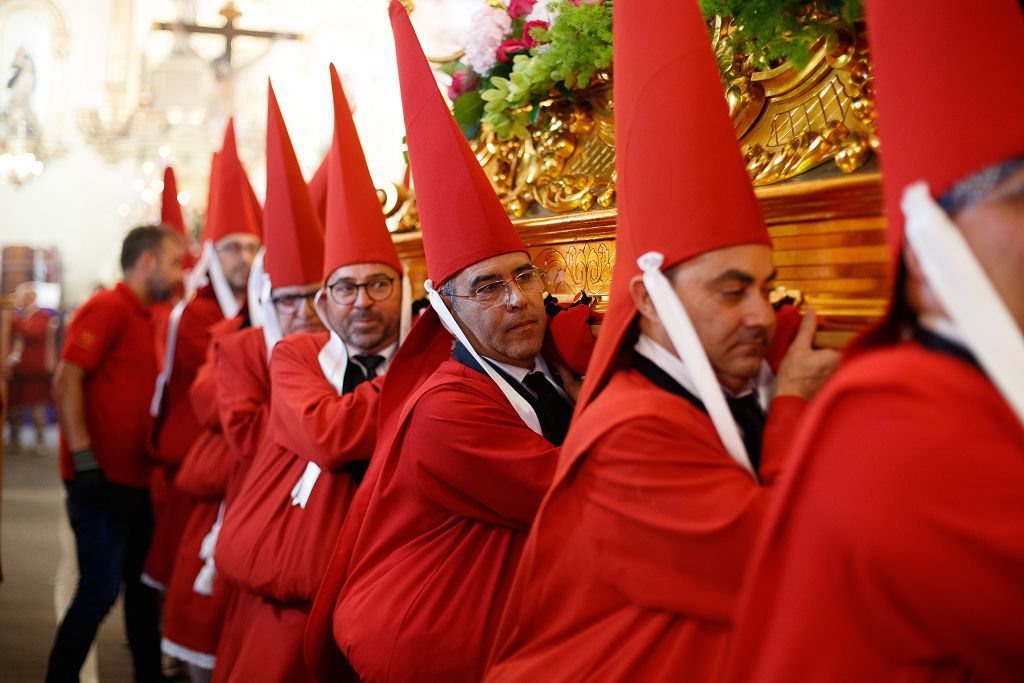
{"points": [[111, 542]]}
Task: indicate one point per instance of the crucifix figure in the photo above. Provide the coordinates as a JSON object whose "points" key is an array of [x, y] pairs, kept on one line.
{"points": [[223, 65]]}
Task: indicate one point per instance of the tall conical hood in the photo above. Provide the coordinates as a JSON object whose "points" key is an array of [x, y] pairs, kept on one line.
{"points": [[355, 227], [674, 135], [932, 145], [211, 196], [233, 207], [925, 134], [463, 221], [171, 215], [294, 237], [318, 190]]}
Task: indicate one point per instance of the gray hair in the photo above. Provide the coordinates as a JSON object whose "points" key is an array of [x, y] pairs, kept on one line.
{"points": [[447, 290], [979, 185]]}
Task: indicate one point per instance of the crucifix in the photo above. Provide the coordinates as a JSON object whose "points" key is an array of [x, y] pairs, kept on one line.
{"points": [[223, 66], [229, 30]]}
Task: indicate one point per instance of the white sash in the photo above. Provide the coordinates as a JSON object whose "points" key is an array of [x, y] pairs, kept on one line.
{"points": [[687, 344], [203, 584], [966, 293]]}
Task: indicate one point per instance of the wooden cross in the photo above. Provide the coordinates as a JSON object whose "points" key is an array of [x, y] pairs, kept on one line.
{"points": [[229, 30]]}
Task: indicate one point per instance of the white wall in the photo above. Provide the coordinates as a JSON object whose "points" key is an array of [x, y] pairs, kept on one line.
{"points": [[75, 203]]}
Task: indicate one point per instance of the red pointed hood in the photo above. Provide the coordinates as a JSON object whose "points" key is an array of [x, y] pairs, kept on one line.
{"points": [[912, 100], [171, 215], [355, 228], [318, 190], [463, 221], [915, 120], [294, 237], [233, 207], [211, 196], [674, 132]]}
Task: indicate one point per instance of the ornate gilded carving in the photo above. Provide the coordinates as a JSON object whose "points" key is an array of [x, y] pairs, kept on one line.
{"points": [[577, 268]]}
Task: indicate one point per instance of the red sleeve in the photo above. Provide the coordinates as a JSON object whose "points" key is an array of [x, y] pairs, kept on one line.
{"points": [[243, 395], [93, 329], [670, 517], [203, 392], [477, 458], [312, 420]]}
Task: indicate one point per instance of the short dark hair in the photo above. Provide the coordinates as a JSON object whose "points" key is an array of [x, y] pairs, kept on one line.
{"points": [[142, 239]]}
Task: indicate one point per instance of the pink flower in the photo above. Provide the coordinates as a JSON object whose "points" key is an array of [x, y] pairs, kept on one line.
{"points": [[490, 26], [462, 82], [509, 48], [520, 8], [527, 39]]}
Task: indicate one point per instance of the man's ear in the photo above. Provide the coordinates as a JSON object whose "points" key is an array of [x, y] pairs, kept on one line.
{"points": [[641, 299], [147, 261]]}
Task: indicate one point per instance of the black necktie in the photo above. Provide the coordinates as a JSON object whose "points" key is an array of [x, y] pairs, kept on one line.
{"points": [[555, 412], [363, 368], [748, 414], [369, 364]]}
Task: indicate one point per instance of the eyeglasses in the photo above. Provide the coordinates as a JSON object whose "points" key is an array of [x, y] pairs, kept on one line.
{"points": [[530, 282], [290, 303], [345, 293], [236, 248]]}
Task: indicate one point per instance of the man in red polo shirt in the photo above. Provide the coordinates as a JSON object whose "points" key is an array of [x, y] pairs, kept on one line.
{"points": [[102, 389]]}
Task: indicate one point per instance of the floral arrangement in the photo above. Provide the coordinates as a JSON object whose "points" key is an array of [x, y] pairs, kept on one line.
{"points": [[522, 52]]}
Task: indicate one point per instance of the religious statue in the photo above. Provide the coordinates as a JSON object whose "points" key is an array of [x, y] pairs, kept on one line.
{"points": [[21, 85]]}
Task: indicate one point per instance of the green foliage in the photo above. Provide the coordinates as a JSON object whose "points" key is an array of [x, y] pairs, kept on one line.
{"points": [[468, 109], [774, 31], [579, 44]]}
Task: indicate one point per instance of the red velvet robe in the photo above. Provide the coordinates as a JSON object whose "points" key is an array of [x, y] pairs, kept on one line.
{"points": [[442, 532], [192, 621], [896, 549], [309, 421], [634, 564], [176, 430], [243, 390]]}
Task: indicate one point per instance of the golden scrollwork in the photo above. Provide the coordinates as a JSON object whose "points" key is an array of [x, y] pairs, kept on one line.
{"points": [[577, 268]]}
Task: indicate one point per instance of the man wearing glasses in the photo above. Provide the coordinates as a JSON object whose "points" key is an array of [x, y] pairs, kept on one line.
{"points": [[234, 380], [452, 494], [218, 281], [325, 389]]}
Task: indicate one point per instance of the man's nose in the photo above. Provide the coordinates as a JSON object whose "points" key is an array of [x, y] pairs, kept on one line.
{"points": [[514, 296]]}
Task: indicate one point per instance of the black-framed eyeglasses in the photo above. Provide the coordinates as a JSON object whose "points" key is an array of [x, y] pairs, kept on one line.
{"points": [[290, 303], [345, 293], [529, 282]]}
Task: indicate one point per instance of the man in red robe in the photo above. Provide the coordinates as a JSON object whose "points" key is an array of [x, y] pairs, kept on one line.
{"points": [[101, 386], [634, 563], [895, 551], [455, 490], [194, 604], [260, 630], [232, 237]]}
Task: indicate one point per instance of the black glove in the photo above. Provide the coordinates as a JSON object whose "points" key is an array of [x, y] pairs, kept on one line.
{"points": [[91, 486]]}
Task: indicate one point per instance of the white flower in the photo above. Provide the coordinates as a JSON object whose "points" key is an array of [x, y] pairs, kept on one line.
{"points": [[542, 13], [490, 28]]}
